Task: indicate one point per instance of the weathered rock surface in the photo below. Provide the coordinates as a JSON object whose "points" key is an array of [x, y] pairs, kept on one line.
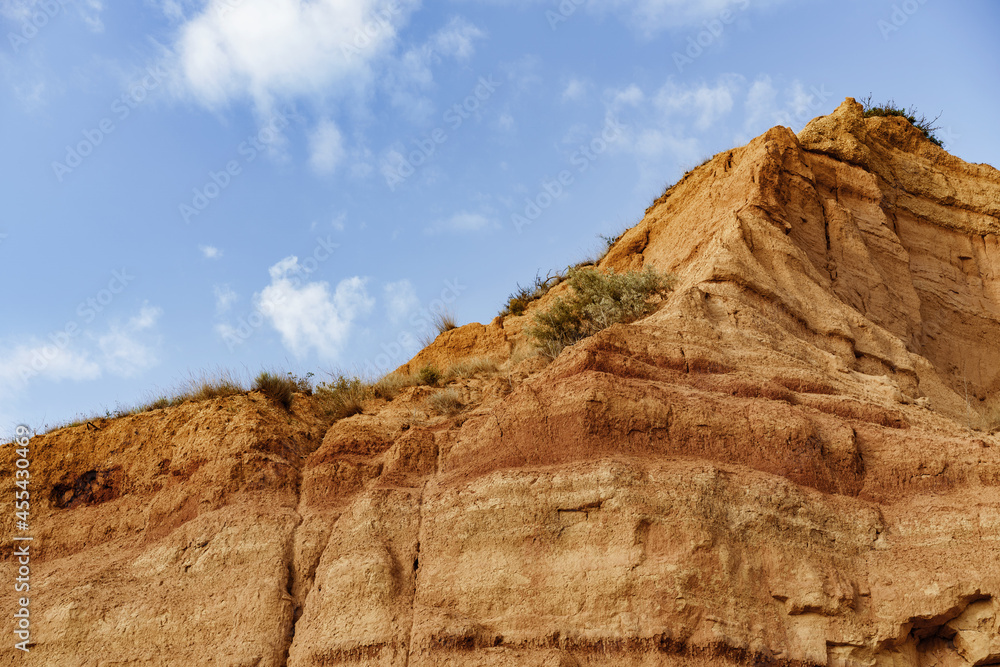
{"points": [[794, 461]]}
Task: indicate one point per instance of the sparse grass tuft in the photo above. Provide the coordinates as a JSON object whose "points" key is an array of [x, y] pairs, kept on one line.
{"points": [[599, 300], [158, 404], [889, 108], [445, 402], [471, 367], [196, 389], [343, 396], [444, 322], [278, 388], [389, 385], [206, 387]]}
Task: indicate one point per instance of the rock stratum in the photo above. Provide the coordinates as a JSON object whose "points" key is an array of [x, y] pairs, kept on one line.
{"points": [[793, 461]]}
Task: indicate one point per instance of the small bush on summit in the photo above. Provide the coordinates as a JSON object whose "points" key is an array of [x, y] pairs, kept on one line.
{"points": [[278, 388], [889, 108], [599, 300]]}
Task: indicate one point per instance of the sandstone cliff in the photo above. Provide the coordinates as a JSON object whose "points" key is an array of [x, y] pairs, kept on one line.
{"points": [[794, 461]]}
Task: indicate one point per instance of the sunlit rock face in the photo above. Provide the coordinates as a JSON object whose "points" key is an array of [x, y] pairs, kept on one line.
{"points": [[793, 461]]}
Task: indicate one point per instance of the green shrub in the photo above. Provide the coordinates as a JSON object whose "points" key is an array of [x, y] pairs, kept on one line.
{"points": [[890, 108], [599, 300], [278, 388], [429, 375]]}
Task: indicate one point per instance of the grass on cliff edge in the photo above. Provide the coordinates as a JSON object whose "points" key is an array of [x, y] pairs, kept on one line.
{"points": [[889, 108], [599, 299]]}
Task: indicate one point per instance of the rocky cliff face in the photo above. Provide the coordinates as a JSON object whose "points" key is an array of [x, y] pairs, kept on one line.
{"points": [[794, 461]]}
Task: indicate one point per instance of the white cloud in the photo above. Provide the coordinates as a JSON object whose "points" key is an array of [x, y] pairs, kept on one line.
{"points": [[25, 10], [307, 315], [461, 222], [632, 96], [649, 17], [707, 103], [225, 297], [30, 95], [457, 39], [52, 362], [400, 300], [685, 123], [122, 351], [574, 90], [266, 50], [409, 76], [326, 147], [761, 104], [646, 17], [90, 11], [210, 252]]}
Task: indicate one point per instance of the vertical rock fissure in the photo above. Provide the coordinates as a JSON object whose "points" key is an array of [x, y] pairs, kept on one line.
{"points": [[293, 574], [416, 572]]}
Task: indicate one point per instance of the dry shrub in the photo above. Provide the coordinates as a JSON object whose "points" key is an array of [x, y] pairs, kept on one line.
{"points": [[445, 402], [344, 396], [599, 299], [519, 301]]}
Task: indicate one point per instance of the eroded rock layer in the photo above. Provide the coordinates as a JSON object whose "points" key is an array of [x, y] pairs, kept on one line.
{"points": [[794, 461]]}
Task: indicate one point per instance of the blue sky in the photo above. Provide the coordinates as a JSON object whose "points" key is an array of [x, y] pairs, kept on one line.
{"points": [[297, 185]]}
